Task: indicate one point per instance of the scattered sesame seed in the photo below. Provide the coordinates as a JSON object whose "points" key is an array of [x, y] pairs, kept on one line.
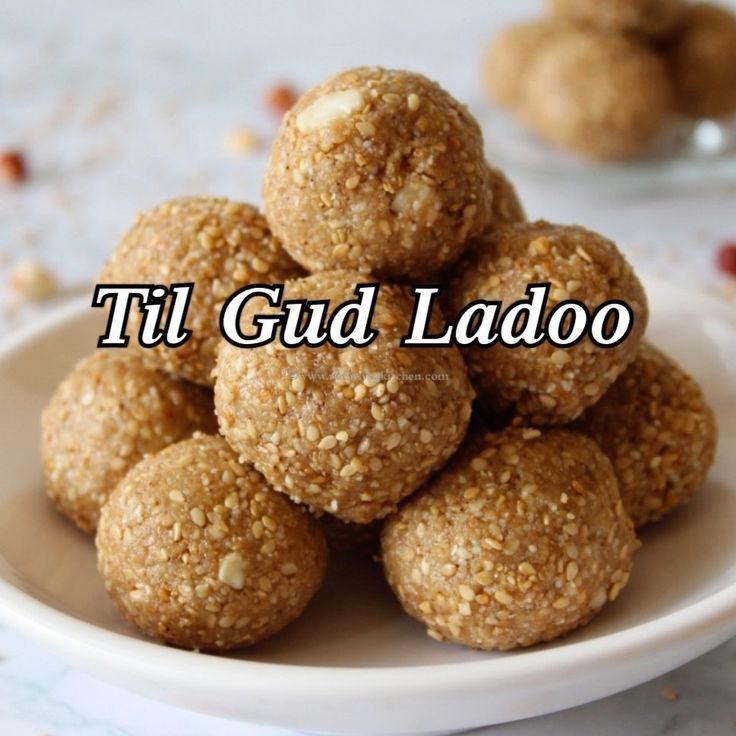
{"points": [[240, 141], [30, 280]]}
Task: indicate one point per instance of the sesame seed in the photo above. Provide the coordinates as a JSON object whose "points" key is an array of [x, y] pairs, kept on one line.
{"points": [[348, 470], [197, 516], [504, 598], [366, 128], [527, 568], [599, 598], [530, 433], [260, 266], [560, 357], [539, 246], [327, 442], [377, 412], [372, 379]]}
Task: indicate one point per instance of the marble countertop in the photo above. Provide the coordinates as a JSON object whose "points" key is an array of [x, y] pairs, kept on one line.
{"points": [[41, 696], [118, 107]]}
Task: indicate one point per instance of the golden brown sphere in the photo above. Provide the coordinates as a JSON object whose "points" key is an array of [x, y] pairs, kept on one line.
{"points": [[544, 384], [346, 430], [196, 549], [520, 539], [219, 245], [703, 62], [659, 432], [604, 96], [380, 171], [106, 415]]}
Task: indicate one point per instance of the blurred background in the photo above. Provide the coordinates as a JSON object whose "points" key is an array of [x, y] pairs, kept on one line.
{"points": [[107, 108], [112, 107]]}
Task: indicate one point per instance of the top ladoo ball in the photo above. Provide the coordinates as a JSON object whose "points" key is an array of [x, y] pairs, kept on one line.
{"points": [[379, 171]]}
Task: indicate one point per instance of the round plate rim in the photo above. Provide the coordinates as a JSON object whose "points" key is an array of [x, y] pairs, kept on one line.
{"points": [[716, 612]]}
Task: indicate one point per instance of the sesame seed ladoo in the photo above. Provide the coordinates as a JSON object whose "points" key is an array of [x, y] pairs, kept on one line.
{"points": [[197, 550], [659, 432], [702, 60], [380, 171], [349, 431], [546, 385], [519, 540], [106, 415], [219, 245], [602, 95]]}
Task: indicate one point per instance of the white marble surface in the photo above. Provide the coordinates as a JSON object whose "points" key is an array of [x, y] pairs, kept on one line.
{"points": [[41, 696], [121, 105]]}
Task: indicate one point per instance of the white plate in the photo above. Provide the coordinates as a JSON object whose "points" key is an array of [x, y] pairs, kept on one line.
{"points": [[354, 663]]}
